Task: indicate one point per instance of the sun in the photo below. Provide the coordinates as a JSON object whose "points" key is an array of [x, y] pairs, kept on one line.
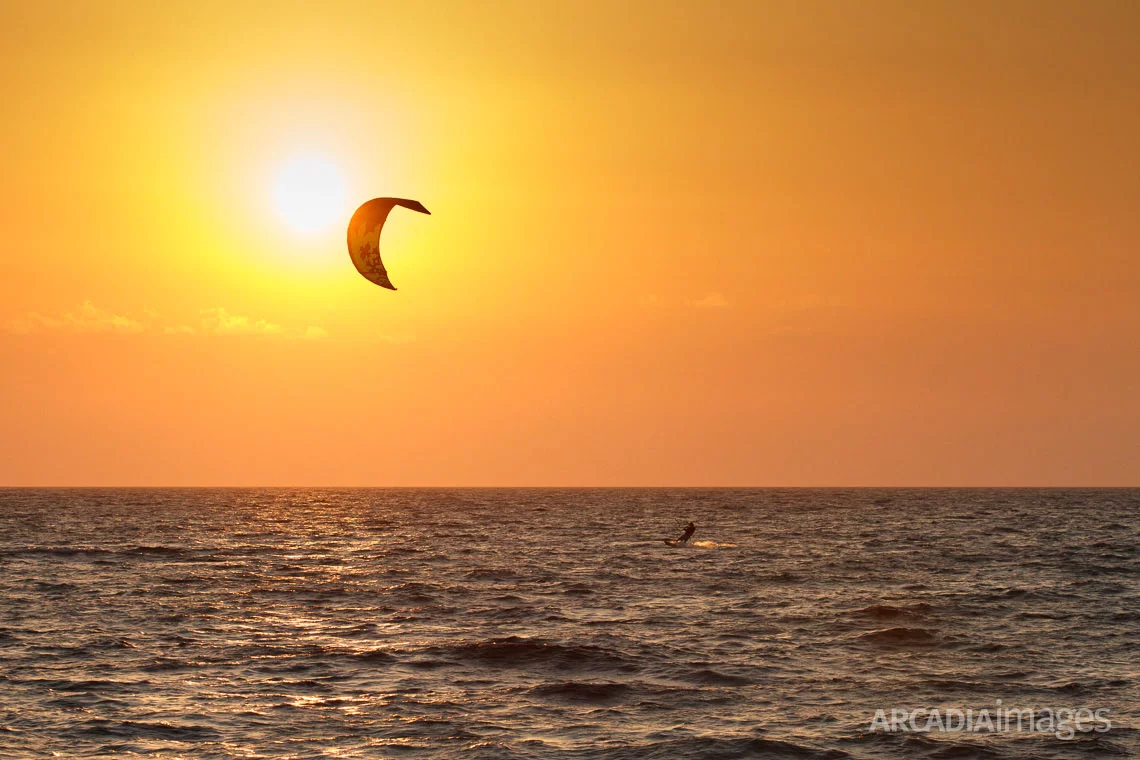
{"points": [[309, 194]]}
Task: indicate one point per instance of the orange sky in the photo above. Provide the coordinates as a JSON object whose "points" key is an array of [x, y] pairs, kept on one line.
{"points": [[764, 243]]}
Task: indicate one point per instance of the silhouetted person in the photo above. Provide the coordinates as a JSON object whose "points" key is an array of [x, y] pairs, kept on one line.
{"points": [[690, 529]]}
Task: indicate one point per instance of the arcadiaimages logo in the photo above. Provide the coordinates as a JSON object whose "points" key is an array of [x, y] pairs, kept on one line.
{"points": [[1064, 722]]}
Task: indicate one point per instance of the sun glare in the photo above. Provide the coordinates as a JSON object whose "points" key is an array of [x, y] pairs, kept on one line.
{"points": [[309, 195]]}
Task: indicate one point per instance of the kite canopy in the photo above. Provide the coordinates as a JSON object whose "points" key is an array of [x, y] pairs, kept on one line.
{"points": [[364, 236]]}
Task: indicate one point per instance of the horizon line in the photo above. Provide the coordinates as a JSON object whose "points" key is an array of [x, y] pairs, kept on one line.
{"points": [[581, 487]]}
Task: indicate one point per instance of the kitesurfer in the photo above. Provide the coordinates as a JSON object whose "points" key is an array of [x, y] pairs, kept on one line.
{"points": [[690, 529]]}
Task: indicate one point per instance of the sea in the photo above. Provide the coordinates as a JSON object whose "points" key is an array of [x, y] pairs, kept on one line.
{"points": [[556, 623]]}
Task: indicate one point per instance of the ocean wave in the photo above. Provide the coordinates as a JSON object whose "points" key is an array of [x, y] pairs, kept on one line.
{"points": [[159, 551], [414, 591], [921, 745], [888, 611], [520, 652], [61, 587], [129, 729], [986, 647], [954, 685], [783, 576], [583, 691], [375, 656], [710, 677], [182, 579], [113, 643], [901, 635], [711, 748], [56, 551], [93, 551], [426, 729], [492, 574], [64, 685], [85, 702]]}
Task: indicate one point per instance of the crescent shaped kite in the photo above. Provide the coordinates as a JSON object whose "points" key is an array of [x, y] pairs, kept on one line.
{"points": [[364, 236]]}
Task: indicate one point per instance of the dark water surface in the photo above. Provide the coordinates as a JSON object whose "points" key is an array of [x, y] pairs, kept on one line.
{"points": [[554, 623]]}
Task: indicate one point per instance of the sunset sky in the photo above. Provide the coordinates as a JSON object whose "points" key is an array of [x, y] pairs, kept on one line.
{"points": [[754, 243]]}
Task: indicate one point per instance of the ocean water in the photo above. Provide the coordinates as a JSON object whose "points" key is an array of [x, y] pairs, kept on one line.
{"points": [[213, 623]]}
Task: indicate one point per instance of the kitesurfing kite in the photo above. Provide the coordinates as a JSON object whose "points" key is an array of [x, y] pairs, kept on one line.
{"points": [[364, 236]]}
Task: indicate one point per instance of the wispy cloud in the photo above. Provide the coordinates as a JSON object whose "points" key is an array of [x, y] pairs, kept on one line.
{"points": [[215, 321], [218, 321], [88, 318], [711, 301]]}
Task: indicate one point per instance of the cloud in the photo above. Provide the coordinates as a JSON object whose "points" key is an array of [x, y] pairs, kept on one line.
{"points": [[711, 301], [88, 318], [216, 321]]}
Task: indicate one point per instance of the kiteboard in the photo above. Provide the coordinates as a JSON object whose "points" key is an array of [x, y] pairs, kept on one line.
{"points": [[673, 542]]}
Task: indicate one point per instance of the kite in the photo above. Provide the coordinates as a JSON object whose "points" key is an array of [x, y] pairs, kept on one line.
{"points": [[364, 236]]}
